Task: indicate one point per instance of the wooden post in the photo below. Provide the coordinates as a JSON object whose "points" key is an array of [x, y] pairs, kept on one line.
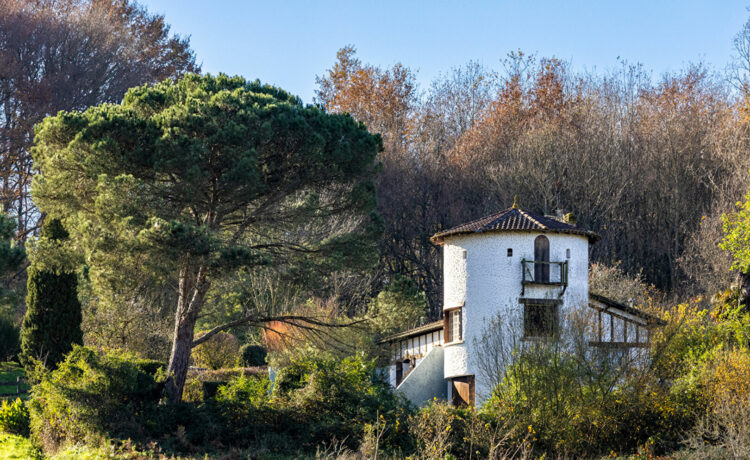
{"points": [[18, 385]]}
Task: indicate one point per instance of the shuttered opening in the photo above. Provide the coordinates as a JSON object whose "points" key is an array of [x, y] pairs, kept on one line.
{"points": [[462, 391]]}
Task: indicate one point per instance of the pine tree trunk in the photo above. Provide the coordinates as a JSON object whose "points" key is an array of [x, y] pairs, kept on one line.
{"points": [[189, 304]]}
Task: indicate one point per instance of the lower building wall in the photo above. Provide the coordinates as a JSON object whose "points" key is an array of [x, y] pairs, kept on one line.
{"points": [[426, 381]]}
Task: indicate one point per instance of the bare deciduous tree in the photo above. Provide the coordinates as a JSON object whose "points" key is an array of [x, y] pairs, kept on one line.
{"points": [[68, 55]]}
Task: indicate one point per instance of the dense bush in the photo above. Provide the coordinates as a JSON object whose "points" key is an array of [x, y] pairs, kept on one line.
{"points": [[202, 384], [338, 397], [92, 397], [14, 417], [251, 391], [723, 431], [220, 351], [441, 430], [9, 339], [253, 355]]}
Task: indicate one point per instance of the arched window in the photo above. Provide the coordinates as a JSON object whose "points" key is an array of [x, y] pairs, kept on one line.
{"points": [[541, 255]]}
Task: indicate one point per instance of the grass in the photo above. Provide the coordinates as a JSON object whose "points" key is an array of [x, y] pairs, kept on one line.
{"points": [[17, 447], [9, 372]]}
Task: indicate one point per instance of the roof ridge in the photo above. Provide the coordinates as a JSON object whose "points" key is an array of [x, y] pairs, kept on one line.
{"points": [[489, 216], [531, 218]]}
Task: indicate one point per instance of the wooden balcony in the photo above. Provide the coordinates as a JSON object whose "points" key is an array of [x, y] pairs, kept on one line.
{"points": [[544, 273]]}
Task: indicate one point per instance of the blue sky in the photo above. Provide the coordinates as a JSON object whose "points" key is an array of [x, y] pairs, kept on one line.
{"points": [[288, 43]]}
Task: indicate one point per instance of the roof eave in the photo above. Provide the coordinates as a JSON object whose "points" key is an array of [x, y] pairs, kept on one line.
{"points": [[650, 319], [439, 238], [419, 330]]}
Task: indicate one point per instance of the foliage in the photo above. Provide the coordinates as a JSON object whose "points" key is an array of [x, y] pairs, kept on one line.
{"points": [[401, 305], [9, 339], [243, 399], [726, 383], [14, 417], [268, 163], [11, 254], [92, 397], [52, 324], [441, 430], [339, 396], [737, 238], [221, 351], [253, 355], [705, 353], [15, 447], [570, 409], [99, 399]]}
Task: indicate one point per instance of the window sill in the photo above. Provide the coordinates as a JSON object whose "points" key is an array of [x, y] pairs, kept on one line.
{"points": [[455, 342]]}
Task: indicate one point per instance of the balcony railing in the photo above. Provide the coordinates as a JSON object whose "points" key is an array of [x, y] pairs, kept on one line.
{"points": [[544, 273]]}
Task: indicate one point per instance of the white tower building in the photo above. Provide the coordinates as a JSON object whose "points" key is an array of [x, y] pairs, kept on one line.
{"points": [[526, 270]]}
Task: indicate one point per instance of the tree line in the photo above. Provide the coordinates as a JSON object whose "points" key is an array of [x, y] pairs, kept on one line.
{"points": [[648, 163]]}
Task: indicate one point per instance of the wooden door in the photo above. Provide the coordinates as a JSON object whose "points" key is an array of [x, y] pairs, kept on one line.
{"points": [[541, 254], [462, 391]]}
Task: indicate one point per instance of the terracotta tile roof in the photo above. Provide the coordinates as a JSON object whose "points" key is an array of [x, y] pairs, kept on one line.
{"points": [[514, 219]]}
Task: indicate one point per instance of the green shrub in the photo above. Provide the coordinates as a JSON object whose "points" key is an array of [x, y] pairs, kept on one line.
{"points": [[252, 391], [14, 417], [400, 305], [193, 391], [337, 397], [92, 397], [253, 355], [9, 339], [220, 351]]}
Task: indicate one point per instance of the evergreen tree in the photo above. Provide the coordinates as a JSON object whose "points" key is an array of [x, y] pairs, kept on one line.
{"points": [[195, 180], [11, 258], [11, 255], [53, 317]]}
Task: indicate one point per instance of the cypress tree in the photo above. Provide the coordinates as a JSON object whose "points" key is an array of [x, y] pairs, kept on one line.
{"points": [[52, 323]]}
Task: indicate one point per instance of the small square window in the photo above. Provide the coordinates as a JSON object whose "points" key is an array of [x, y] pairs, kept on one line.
{"points": [[510, 252], [539, 320], [567, 253], [464, 254]]}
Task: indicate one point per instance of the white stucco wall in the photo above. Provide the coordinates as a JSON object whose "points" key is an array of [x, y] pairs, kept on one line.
{"points": [[415, 347], [425, 381], [488, 282]]}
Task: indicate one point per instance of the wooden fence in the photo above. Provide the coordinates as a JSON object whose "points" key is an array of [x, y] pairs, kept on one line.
{"points": [[19, 391]]}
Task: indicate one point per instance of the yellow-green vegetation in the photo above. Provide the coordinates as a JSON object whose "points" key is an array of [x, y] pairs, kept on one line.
{"points": [[220, 351], [18, 447], [14, 417]]}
